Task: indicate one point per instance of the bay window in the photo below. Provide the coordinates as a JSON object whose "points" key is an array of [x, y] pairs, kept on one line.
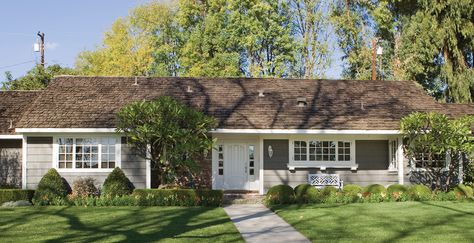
{"points": [[322, 152], [87, 153]]}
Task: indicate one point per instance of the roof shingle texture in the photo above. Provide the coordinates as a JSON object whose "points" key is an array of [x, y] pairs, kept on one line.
{"points": [[92, 102], [12, 106]]}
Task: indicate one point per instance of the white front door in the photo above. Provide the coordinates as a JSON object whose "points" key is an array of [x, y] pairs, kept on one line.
{"points": [[235, 171]]}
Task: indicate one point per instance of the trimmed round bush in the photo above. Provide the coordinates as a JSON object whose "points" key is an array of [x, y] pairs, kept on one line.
{"points": [[351, 189], [52, 187], [463, 191], [375, 189], [117, 184], [280, 194], [305, 193], [397, 188], [84, 187], [420, 193]]}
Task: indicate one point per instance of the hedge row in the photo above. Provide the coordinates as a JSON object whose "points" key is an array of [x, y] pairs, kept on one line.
{"points": [[178, 197], [305, 193], [8, 195]]}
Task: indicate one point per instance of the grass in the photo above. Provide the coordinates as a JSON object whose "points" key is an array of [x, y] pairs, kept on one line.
{"points": [[383, 222], [116, 224]]}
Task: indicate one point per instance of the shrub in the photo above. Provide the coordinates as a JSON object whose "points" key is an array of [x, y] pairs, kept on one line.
{"points": [[445, 196], [305, 193], [13, 195], [328, 194], [463, 191], [280, 194], [397, 192], [375, 189], [351, 189], [210, 198], [117, 184], [84, 187], [51, 187], [420, 193]]}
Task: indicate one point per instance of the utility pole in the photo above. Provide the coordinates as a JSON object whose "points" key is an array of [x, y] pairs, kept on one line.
{"points": [[41, 35], [374, 59]]}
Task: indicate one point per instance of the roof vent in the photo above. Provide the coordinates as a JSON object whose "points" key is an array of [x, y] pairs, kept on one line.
{"points": [[301, 102], [136, 81], [362, 105], [189, 90], [260, 93], [11, 125]]}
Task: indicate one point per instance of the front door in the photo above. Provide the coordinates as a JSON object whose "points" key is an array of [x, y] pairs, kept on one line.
{"points": [[235, 171]]}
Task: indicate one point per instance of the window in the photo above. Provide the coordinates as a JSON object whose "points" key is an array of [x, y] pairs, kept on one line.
{"points": [[393, 154], [322, 151], [300, 150], [220, 159], [251, 159], [87, 153], [423, 160]]}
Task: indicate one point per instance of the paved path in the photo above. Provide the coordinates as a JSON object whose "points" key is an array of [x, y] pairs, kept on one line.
{"points": [[256, 223]]}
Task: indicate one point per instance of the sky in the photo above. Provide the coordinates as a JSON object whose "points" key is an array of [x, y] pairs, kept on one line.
{"points": [[69, 26]]}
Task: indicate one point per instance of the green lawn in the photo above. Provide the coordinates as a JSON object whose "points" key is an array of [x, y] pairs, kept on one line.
{"points": [[383, 222], [114, 224]]}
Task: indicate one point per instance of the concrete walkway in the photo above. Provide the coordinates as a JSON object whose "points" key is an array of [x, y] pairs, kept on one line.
{"points": [[256, 223]]}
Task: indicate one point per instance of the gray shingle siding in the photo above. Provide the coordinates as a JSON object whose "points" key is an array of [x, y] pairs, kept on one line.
{"points": [[39, 161]]}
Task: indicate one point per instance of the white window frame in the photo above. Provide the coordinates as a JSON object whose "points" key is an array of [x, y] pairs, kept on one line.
{"points": [[393, 165], [322, 164], [118, 159], [447, 161]]}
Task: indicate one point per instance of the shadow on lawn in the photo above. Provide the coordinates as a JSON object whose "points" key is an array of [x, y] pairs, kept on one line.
{"points": [[136, 224], [356, 222]]}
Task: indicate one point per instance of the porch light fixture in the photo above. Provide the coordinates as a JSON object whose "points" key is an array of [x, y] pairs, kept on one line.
{"points": [[270, 151]]}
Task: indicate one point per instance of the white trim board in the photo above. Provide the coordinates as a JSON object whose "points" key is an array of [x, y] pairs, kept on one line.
{"points": [[304, 131], [65, 130], [11, 136]]}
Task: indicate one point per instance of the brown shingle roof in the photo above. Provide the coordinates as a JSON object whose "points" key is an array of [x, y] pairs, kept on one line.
{"points": [[91, 102], [12, 105], [457, 110]]}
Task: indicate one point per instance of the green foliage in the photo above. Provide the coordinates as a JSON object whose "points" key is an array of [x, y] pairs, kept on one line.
{"points": [[178, 197], [84, 187], [420, 193], [51, 187], [397, 192], [305, 193], [117, 184], [172, 135], [352, 189], [375, 189], [445, 196], [280, 194], [463, 191], [434, 135], [8, 195], [35, 79]]}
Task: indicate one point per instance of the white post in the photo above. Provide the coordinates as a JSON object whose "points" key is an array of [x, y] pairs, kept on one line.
{"points": [[400, 160], [261, 171], [24, 155], [148, 167]]}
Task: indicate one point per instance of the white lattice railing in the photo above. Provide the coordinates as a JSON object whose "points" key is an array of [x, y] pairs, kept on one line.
{"points": [[322, 180]]}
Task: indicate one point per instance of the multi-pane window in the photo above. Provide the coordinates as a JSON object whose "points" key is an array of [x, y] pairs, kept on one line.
{"points": [[393, 154], [300, 150], [343, 151], [424, 160], [86, 153], [321, 151], [220, 159], [65, 157], [251, 159]]}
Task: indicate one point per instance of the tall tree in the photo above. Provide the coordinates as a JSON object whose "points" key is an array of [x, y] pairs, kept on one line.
{"points": [[351, 23], [311, 30], [35, 79], [262, 31], [209, 49]]}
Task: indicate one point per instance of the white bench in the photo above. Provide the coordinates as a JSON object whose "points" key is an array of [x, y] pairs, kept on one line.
{"points": [[321, 180]]}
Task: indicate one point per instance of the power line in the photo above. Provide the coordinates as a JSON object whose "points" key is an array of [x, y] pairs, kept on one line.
{"points": [[16, 64]]}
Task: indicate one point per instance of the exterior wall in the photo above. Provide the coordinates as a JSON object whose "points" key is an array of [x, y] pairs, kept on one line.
{"points": [[10, 162], [40, 160], [371, 156]]}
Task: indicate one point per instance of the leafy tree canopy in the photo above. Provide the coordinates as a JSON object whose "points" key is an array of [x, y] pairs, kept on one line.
{"points": [[35, 79], [172, 135]]}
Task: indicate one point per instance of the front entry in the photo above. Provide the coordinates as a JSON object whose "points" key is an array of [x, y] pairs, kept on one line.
{"points": [[235, 171]]}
